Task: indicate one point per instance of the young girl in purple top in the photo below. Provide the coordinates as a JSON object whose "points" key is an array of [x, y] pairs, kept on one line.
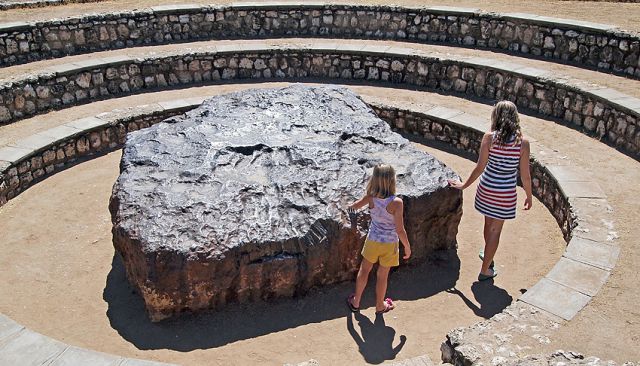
{"points": [[381, 245]]}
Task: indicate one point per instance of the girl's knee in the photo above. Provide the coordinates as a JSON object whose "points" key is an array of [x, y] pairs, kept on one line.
{"points": [[383, 271]]}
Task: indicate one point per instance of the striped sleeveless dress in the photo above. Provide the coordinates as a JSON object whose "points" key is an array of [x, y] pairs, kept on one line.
{"points": [[496, 196]]}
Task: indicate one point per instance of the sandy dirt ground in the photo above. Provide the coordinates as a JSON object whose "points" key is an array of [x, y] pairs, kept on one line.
{"points": [[619, 14], [60, 277]]}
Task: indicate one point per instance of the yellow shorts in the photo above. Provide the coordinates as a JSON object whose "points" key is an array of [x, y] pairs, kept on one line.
{"points": [[385, 253]]}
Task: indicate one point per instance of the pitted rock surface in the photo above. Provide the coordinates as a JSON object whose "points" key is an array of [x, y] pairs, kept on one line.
{"points": [[245, 197]]}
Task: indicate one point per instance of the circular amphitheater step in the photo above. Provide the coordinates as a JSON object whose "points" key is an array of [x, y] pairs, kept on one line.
{"points": [[604, 112]]}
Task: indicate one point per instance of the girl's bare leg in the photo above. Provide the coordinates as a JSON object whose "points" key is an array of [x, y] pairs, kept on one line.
{"points": [[492, 231], [361, 281], [381, 286]]}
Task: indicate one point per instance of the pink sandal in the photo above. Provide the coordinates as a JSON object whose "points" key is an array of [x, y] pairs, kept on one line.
{"points": [[388, 306], [350, 303]]}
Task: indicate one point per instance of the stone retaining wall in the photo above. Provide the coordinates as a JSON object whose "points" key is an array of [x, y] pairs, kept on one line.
{"points": [[582, 43], [602, 112]]}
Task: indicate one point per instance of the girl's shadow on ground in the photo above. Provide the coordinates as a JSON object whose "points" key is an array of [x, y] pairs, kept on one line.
{"points": [[376, 342], [492, 299], [238, 322]]}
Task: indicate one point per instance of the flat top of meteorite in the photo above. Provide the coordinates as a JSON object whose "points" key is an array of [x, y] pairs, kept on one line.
{"points": [[259, 166]]}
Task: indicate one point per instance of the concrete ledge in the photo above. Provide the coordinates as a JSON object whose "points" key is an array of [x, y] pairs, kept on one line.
{"points": [[598, 254], [555, 298], [29, 348], [585, 44], [579, 276]]}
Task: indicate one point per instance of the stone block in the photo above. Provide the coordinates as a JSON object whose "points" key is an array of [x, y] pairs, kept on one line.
{"points": [[570, 23], [400, 51], [322, 45], [117, 60], [629, 103], [36, 142], [172, 105], [14, 154], [574, 189], [534, 72], [591, 252], [480, 61], [350, 47], [555, 298], [608, 94], [74, 356], [452, 10], [568, 173], [61, 69], [579, 276], [30, 348], [176, 8], [61, 132], [443, 113], [92, 63], [520, 16], [87, 123], [375, 49], [194, 101], [473, 122], [8, 328], [14, 26], [226, 48], [588, 26]]}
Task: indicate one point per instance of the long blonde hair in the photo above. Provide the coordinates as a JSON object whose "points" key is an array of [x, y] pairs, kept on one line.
{"points": [[505, 121], [383, 182]]}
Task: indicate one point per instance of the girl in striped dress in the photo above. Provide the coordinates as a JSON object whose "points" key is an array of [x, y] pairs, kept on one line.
{"points": [[502, 152]]}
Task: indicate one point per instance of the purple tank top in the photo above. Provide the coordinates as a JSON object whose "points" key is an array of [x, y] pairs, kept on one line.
{"points": [[383, 227]]}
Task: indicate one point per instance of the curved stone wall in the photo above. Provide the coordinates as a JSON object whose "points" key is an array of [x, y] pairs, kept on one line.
{"points": [[603, 112], [582, 43]]}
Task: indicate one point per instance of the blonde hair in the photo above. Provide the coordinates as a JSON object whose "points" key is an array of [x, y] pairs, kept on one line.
{"points": [[383, 182], [505, 122]]}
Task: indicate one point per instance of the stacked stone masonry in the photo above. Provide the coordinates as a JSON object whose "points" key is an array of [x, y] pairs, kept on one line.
{"points": [[582, 43], [602, 112]]}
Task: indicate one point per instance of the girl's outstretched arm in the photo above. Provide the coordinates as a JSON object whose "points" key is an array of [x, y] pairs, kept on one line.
{"points": [[525, 173], [483, 159], [398, 218], [359, 204]]}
